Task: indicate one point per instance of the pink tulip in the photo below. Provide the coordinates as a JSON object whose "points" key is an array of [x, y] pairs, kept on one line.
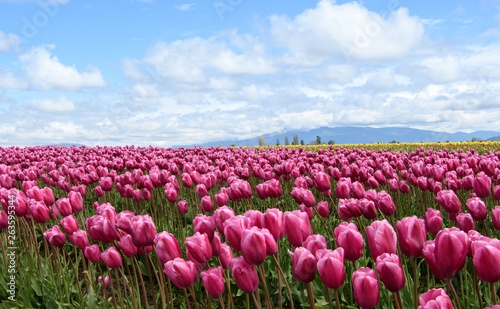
{"points": [[111, 257], [105, 282], [143, 230], [381, 238], [213, 281], [92, 253], [199, 247], [303, 265], [495, 217], [477, 208], [465, 222], [255, 246], [368, 208], [451, 250], [433, 221], [204, 225], [4, 220], [342, 190], [322, 181], [100, 228], [220, 215], [411, 232], [55, 237], [233, 229], [486, 258], [76, 201], [273, 220], [244, 275], [182, 273], [225, 255], [482, 185], [166, 247], [123, 220], [206, 204], [183, 207], [126, 245], [385, 203], [430, 257], [79, 239], [69, 224], [331, 267], [39, 212], [391, 272], [350, 239], [435, 299], [323, 209], [297, 227], [314, 243], [449, 201], [366, 287]]}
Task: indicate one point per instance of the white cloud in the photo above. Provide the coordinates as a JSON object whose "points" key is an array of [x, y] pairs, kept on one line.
{"points": [[348, 30], [59, 105], [189, 60], [185, 6], [442, 69], [45, 72], [9, 81], [8, 41]]}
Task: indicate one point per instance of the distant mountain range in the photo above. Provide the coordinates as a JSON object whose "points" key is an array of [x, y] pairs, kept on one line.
{"points": [[360, 135]]}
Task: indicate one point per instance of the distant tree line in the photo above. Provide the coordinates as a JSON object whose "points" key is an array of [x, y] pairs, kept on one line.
{"points": [[295, 141]]}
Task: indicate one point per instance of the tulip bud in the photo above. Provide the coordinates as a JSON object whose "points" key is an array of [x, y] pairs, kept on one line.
{"points": [[233, 229], [105, 282], [322, 181], [303, 265], [331, 267], [314, 243], [199, 247], [366, 287], [323, 209], [482, 185], [213, 281], [79, 238], [495, 217], [127, 246], [206, 204], [433, 221], [391, 272], [143, 230], [381, 238], [477, 208], [123, 221], [225, 255], [69, 224], [449, 201], [465, 222], [244, 275], [55, 237], [39, 212], [182, 273], [273, 220], [183, 207], [297, 227], [411, 231], [111, 257], [486, 258], [451, 250], [204, 225], [350, 239], [92, 253]]}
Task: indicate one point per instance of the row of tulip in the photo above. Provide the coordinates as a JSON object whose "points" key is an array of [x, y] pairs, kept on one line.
{"points": [[204, 201]]}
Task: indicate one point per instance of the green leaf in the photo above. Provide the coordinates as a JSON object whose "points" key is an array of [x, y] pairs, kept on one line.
{"points": [[91, 300]]}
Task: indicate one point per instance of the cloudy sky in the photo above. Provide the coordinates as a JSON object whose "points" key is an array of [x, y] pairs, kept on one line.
{"points": [[151, 72]]}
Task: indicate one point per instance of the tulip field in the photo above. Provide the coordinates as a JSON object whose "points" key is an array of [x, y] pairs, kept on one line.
{"points": [[342, 226]]}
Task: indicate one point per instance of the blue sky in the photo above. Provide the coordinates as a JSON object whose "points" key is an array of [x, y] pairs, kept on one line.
{"points": [[168, 73]]}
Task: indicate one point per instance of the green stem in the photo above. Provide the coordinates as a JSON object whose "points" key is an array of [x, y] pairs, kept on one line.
{"points": [[310, 295]]}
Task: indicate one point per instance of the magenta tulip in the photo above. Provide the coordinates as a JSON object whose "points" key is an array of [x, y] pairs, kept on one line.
{"points": [[429, 255], [69, 224], [233, 229], [206, 204], [314, 243], [204, 225], [182, 273], [220, 215], [166, 247], [297, 227], [435, 299], [350, 239], [39, 212], [391, 272], [366, 287], [477, 208], [495, 217], [111, 257], [55, 237], [225, 255], [303, 265], [127, 246], [123, 220], [213, 281], [385, 203], [199, 247], [486, 258], [451, 250], [449, 201], [143, 230], [465, 222], [331, 267], [482, 185], [433, 221], [79, 239], [183, 207], [381, 238], [244, 275], [92, 253], [411, 232]]}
